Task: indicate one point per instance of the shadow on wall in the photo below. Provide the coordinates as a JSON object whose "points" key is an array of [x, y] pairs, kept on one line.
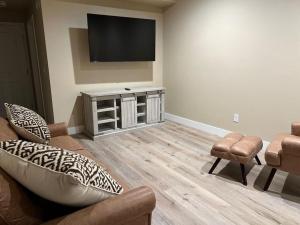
{"points": [[77, 113], [106, 72]]}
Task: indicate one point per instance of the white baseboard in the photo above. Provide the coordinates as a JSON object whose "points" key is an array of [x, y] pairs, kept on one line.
{"points": [[184, 121], [203, 127], [75, 130], [197, 125]]}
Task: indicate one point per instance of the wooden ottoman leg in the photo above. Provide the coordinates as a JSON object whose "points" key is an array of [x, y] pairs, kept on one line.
{"points": [[270, 178], [244, 174], [214, 166], [257, 160]]}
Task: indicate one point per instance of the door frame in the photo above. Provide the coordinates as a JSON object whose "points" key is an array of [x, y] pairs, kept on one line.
{"points": [[35, 65]]}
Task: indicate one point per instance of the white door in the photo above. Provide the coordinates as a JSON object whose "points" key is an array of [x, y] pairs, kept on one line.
{"points": [[16, 83]]}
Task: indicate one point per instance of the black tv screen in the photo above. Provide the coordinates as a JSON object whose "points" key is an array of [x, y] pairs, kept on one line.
{"points": [[117, 39]]}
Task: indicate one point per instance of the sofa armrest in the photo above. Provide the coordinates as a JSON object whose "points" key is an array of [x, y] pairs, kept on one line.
{"points": [[296, 129], [291, 145], [58, 129], [122, 209]]}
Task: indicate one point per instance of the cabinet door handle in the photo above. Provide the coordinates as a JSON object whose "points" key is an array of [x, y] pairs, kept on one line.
{"points": [[153, 96], [128, 99]]}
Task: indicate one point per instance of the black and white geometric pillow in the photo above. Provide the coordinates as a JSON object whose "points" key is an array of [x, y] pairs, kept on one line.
{"points": [[28, 124], [56, 174]]}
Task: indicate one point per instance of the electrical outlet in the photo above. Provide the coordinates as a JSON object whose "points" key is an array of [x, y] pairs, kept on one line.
{"points": [[236, 118]]}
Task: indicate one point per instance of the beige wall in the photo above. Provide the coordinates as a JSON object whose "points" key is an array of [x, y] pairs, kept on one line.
{"points": [[227, 56], [65, 26]]}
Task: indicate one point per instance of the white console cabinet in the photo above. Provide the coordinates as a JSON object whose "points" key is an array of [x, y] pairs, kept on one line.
{"points": [[112, 111]]}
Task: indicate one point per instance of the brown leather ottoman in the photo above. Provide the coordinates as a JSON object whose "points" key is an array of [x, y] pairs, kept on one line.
{"points": [[239, 148]]}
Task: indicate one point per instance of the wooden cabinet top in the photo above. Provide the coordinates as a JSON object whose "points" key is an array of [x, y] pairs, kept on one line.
{"points": [[95, 94]]}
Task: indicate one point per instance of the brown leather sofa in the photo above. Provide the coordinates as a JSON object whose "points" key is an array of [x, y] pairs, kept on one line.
{"points": [[18, 206], [284, 153]]}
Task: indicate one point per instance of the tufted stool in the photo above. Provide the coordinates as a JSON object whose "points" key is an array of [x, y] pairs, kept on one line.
{"points": [[239, 148]]}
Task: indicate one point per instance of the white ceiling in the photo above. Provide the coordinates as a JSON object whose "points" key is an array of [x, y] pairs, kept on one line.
{"points": [[18, 5], [158, 3]]}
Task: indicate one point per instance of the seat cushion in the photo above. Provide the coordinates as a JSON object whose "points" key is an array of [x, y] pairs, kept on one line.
{"points": [[6, 131], [247, 147], [238, 148], [66, 142], [274, 151], [224, 145]]}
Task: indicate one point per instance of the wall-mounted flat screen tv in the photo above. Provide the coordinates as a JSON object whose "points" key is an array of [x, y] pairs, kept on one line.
{"points": [[121, 39]]}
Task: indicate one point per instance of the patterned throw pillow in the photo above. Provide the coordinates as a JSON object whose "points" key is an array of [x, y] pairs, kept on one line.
{"points": [[28, 124], [56, 174]]}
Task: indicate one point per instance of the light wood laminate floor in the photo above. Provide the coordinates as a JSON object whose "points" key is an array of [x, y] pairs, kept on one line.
{"points": [[174, 160]]}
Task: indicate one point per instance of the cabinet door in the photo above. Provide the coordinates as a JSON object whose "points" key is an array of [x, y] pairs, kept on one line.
{"points": [[153, 108], [128, 112]]}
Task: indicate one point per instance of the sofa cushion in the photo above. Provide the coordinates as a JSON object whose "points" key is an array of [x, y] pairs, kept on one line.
{"points": [[27, 123], [87, 154], [20, 206], [118, 178], [58, 129], [6, 131], [107, 167], [66, 142], [16, 206], [56, 174]]}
